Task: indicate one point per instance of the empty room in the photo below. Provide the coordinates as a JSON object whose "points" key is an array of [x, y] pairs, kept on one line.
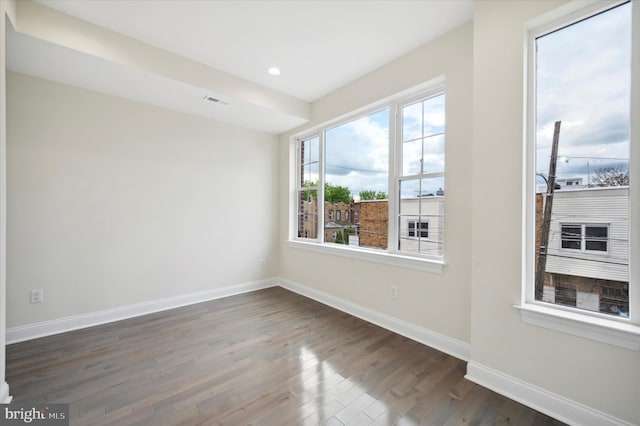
{"points": [[289, 212]]}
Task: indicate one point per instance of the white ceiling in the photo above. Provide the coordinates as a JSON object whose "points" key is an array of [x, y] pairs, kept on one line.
{"points": [[319, 45]]}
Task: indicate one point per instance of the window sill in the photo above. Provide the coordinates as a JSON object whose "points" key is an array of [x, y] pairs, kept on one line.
{"points": [[407, 262], [621, 334]]}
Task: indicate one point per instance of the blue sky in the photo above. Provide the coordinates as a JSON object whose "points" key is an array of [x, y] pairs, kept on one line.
{"points": [[357, 152], [583, 80]]}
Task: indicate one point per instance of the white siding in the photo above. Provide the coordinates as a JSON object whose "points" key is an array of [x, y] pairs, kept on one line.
{"points": [[608, 206], [424, 209]]}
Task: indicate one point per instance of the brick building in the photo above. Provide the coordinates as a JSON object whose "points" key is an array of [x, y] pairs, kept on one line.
{"points": [[374, 223]]}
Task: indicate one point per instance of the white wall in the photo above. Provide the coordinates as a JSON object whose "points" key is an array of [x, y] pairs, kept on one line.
{"points": [[597, 375], [112, 202], [437, 302]]}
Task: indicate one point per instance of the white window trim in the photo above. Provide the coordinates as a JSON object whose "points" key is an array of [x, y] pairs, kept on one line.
{"points": [[617, 331], [371, 255], [390, 256], [566, 320]]}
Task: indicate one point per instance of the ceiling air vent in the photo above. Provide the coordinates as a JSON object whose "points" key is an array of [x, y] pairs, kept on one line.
{"points": [[215, 100]]}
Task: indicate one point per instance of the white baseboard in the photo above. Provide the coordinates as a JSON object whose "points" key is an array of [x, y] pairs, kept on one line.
{"points": [[5, 398], [556, 406], [48, 328], [427, 337]]}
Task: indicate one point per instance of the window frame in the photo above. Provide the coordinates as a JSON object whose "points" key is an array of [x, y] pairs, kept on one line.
{"points": [[583, 239], [401, 177], [422, 229], [619, 331], [391, 255]]}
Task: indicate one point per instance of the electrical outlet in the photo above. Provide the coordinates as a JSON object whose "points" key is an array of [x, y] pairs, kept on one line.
{"points": [[394, 292], [37, 295]]}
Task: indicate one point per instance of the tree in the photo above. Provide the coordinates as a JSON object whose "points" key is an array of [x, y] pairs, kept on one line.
{"points": [[310, 193], [332, 193], [348, 231], [339, 238], [336, 194], [611, 176], [368, 195]]}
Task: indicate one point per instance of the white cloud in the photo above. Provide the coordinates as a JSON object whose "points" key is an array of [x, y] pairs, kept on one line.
{"points": [[357, 153], [583, 81]]}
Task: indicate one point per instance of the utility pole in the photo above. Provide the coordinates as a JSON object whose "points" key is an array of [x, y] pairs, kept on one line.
{"points": [[546, 215]]}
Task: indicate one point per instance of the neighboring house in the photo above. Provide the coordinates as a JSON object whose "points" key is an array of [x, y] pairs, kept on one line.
{"points": [[308, 218], [337, 217], [337, 212], [422, 224], [334, 232], [588, 251], [421, 231], [373, 225], [565, 183]]}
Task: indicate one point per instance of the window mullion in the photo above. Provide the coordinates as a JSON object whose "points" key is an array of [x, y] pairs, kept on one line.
{"points": [[395, 167], [634, 172], [321, 185]]}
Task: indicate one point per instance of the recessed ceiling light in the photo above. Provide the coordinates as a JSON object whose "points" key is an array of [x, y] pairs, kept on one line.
{"points": [[274, 71]]}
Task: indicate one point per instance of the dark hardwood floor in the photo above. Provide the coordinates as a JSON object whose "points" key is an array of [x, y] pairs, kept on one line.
{"points": [[270, 357]]}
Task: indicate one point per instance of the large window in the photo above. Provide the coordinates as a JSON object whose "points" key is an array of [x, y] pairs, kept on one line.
{"points": [[581, 100], [366, 170]]}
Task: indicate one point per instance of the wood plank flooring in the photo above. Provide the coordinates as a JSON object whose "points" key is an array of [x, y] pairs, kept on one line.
{"points": [[269, 357]]}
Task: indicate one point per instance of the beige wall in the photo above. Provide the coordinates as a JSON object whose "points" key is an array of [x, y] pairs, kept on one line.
{"points": [[7, 17], [437, 302], [112, 202], [598, 375]]}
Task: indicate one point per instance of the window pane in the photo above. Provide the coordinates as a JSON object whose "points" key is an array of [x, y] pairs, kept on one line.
{"points": [[410, 229], [583, 80], [596, 245], [571, 237], [423, 136], [357, 176], [307, 214], [571, 232], [434, 116], [310, 153], [434, 154], [571, 244], [596, 231], [424, 229], [412, 122], [308, 178], [412, 157], [421, 218]]}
